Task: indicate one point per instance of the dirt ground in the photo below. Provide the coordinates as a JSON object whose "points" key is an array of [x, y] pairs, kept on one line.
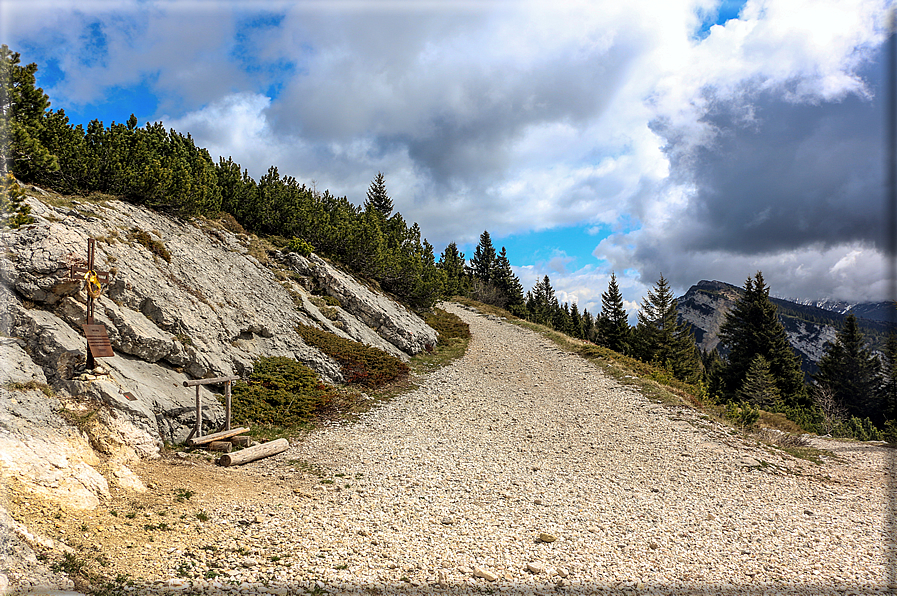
{"points": [[130, 534]]}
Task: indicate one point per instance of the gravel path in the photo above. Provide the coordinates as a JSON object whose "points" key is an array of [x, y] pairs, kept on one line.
{"points": [[517, 440]]}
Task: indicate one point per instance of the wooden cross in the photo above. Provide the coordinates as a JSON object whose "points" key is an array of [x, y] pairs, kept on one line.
{"points": [[97, 340]]}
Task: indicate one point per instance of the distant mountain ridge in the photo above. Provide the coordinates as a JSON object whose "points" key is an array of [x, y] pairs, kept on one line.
{"points": [[808, 326]]}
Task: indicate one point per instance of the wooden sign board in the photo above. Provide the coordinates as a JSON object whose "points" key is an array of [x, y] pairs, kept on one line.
{"points": [[98, 341]]}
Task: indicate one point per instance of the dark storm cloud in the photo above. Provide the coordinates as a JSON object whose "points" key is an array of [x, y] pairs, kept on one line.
{"points": [[799, 175], [793, 189]]}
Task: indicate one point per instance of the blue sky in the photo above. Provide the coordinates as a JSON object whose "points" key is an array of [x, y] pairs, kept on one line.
{"points": [[700, 139]]}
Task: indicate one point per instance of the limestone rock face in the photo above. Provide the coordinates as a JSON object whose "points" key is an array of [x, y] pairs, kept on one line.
{"points": [[391, 321], [186, 299]]}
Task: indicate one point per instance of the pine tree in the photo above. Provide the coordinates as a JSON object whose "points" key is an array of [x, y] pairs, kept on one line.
{"points": [[888, 388], [851, 371], [541, 302], [561, 320], [377, 199], [752, 328], [576, 319], [613, 325], [588, 326], [759, 388], [660, 338], [22, 113], [14, 211], [483, 261]]}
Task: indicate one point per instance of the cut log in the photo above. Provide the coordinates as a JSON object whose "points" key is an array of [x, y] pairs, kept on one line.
{"points": [[224, 446], [241, 441], [216, 436], [253, 453]]}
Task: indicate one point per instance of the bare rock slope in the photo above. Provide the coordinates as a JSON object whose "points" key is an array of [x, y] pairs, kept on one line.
{"points": [[186, 299]]}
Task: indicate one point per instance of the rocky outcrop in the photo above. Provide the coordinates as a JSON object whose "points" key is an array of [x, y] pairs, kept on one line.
{"points": [[186, 299], [809, 328], [704, 307]]}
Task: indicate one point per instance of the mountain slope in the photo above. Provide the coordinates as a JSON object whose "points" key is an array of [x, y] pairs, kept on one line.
{"points": [[809, 328]]}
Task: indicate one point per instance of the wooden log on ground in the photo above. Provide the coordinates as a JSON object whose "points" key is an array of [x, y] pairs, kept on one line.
{"points": [[253, 453], [224, 446], [241, 441], [217, 436]]}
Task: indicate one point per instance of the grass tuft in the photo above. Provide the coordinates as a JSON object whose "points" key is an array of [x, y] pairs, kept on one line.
{"points": [[31, 386], [154, 246]]}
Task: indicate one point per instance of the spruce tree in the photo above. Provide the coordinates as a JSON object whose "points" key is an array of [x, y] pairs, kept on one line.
{"points": [[752, 328], [588, 326], [377, 199], [508, 285], [613, 325], [541, 303], [660, 338], [851, 371], [888, 388], [759, 388], [576, 319], [452, 262], [561, 320], [483, 261]]}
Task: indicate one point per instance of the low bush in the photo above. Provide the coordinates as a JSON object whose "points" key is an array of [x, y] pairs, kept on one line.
{"points": [[742, 414], [448, 326], [280, 392], [300, 246], [229, 223], [361, 364]]}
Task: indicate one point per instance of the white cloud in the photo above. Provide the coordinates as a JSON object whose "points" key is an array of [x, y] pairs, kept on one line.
{"points": [[236, 126], [507, 116]]}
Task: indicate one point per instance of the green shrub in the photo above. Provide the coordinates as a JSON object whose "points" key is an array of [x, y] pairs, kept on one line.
{"points": [[448, 326], [14, 211], [280, 392], [300, 246], [742, 414], [808, 418], [889, 433], [330, 300], [361, 364], [859, 429]]}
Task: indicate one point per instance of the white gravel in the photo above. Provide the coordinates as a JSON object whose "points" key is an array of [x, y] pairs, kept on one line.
{"points": [[457, 480]]}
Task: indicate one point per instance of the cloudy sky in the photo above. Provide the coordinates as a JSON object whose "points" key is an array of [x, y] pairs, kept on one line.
{"points": [[693, 138]]}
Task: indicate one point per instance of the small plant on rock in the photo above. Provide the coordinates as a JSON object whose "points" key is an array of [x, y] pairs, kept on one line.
{"points": [[156, 247], [300, 246]]}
